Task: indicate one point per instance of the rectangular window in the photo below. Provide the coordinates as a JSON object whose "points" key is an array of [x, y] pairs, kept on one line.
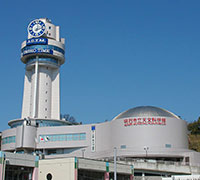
{"points": [[123, 146], [168, 145], [69, 137], [51, 138], [82, 136], [51, 151], [75, 137], [54, 138], [7, 140], [61, 137]]}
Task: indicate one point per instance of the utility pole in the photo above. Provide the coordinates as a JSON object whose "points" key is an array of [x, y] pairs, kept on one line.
{"points": [[83, 152], [115, 163]]}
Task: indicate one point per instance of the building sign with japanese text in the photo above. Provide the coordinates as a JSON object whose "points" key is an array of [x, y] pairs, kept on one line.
{"points": [[144, 121], [93, 143]]}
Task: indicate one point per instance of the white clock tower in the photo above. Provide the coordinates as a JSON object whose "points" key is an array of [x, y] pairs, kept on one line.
{"points": [[43, 53]]}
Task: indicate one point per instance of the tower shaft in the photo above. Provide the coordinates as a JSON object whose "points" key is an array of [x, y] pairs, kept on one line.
{"points": [[41, 92], [43, 53]]}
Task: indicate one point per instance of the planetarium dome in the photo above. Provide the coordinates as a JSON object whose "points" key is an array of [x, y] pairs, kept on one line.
{"points": [[148, 126], [146, 111]]}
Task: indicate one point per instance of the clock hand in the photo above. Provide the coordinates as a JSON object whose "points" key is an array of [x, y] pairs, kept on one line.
{"points": [[36, 28], [39, 27]]}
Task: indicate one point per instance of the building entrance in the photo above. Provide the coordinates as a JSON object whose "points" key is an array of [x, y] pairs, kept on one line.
{"points": [[18, 173]]}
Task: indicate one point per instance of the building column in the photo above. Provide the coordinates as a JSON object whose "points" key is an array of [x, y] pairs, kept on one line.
{"points": [[75, 169], [1, 171], [106, 174], [35, 173], [2, 165], [132, 173], [131, 177], [36, 169]]}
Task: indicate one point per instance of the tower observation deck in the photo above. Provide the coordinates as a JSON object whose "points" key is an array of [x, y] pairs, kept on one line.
{"points": [[43, 53]]}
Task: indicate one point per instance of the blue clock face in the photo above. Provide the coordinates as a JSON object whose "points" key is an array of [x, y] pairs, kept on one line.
{"points": [[36, 28]]}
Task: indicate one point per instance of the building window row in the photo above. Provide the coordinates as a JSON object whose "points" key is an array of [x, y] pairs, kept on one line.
{"points": [[47, 123], [63, 137], [51, 60], [7, 140]]}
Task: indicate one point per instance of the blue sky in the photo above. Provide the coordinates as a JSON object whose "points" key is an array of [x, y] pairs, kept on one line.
{"points": [[119, 55]]}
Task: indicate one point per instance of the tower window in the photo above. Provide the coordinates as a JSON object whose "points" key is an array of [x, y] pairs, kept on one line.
{"points": [[49, 27], [46, 92]]}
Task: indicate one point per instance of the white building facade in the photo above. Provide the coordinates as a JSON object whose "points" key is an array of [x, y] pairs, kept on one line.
{"points": [[146, 132]]}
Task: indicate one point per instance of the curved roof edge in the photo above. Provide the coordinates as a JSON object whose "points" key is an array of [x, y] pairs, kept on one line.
{"points": [[144, 111]]}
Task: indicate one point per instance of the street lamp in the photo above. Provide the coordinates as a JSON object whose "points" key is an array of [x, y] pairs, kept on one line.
{"points": [[115, 163], [83, 153], [146, 148]]}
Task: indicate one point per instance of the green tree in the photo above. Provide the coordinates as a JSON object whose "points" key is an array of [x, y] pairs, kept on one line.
{"points": [[194, 127]]}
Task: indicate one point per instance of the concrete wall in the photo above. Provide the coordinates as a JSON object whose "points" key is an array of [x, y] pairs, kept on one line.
{"points": [[63, 130], [26, 106], [129, 141], [63, 169], [183, 177], [155, 137], [7, 133], [194, 158], [15, 159]]}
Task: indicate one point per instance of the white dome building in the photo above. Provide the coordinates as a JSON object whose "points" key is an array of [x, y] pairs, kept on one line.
{"points": [[149, 132]]}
